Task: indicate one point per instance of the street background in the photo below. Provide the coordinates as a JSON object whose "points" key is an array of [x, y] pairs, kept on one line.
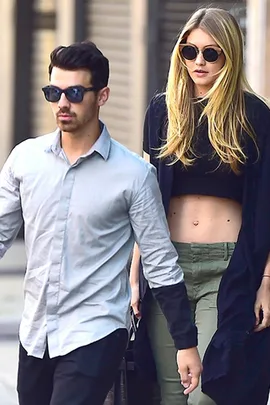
{"points": [[137, 36]]}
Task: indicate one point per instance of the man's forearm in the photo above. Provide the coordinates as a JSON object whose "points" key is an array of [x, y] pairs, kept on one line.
{"points": [[174, 304]]}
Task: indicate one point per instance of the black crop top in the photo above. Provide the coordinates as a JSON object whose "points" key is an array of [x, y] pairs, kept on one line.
{"points": [[207, 176]]}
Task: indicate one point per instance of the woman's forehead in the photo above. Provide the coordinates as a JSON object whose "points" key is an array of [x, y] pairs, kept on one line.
{"points": [[200, 38]]}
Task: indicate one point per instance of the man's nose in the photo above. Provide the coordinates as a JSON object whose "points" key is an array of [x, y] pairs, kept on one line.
{"points": [[63, 101]]}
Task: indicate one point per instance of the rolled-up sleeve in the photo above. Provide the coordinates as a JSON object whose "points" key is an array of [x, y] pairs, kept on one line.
{"points": [[10, 206], [159, 261]]}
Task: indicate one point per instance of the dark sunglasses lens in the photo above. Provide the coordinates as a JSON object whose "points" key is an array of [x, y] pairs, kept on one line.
{"points": [[189, 52], [51, 94], [210, 55], [74, 94]]}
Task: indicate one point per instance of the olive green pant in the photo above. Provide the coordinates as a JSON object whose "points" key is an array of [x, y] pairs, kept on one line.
{"points": [[203, 266]]}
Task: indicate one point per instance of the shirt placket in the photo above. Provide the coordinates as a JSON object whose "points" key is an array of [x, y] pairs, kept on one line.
{"points": [[57, 252]]}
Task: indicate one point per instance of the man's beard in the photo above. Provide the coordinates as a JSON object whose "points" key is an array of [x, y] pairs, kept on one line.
{"points": [[72, 126]]}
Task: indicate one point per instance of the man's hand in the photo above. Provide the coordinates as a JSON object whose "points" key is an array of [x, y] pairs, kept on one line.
{"points": [[189, 368]]}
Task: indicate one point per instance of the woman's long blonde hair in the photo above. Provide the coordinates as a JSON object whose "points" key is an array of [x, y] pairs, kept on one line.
{"points": [[225, 109]]}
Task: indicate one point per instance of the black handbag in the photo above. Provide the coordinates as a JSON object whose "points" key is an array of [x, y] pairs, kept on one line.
{"points": [[118, 394], [126, 372], [130, 387]]}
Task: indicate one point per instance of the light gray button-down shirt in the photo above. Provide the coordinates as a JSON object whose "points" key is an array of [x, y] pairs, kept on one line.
{"points": [[81, 221]]}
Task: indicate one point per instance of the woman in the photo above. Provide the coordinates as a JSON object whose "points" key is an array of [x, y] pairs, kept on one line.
{"points": [[208, 138]]}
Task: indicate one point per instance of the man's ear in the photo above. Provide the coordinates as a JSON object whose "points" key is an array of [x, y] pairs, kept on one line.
{"points": [[103, 96]]}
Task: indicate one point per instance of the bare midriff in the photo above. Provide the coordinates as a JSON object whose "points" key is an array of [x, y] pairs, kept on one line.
{"points": [[204, 219]]}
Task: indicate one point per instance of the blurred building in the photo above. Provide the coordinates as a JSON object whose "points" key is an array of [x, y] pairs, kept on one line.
{"points": [[136, 35]]}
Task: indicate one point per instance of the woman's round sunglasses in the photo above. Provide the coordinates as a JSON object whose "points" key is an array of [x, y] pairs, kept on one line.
{"points": [[190, 52], [74, 94]]}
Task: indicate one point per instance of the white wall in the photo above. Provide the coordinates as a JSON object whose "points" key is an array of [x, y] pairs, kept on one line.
{"points": [[6, 75], [257, 50]]}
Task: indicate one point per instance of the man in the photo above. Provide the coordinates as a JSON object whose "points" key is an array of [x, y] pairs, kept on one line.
{"points": [[85, 199]]}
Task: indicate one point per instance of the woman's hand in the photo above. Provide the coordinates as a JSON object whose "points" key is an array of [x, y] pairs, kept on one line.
{"points": [[135, 300], [262, 305]]}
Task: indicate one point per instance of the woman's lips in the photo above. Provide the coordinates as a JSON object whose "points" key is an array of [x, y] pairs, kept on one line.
{"points": [[200, 73]]}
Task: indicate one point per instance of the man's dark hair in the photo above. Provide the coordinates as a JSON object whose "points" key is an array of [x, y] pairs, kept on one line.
{"points": [[82, 55]]}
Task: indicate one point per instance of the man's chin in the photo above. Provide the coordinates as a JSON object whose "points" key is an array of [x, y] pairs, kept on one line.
{"points": [[66, 127]]}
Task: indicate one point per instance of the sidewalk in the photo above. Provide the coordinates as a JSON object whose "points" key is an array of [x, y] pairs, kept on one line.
{"points": [[8, 372], [10, 312], [11, 304]]}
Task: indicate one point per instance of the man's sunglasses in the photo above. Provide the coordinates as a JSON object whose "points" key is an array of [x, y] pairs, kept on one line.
{"points": [[74, 94], [190, 52]]}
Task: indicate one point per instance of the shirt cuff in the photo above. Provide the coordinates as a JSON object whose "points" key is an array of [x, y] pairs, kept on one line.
{"points": [[174, 303]]}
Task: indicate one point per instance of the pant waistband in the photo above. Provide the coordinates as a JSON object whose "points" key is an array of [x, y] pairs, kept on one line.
{"points": [[221, 250]]}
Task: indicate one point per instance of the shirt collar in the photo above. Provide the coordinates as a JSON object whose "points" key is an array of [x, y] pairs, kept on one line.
{"points": [[54, 145], [103, 143], [101, 146]]}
